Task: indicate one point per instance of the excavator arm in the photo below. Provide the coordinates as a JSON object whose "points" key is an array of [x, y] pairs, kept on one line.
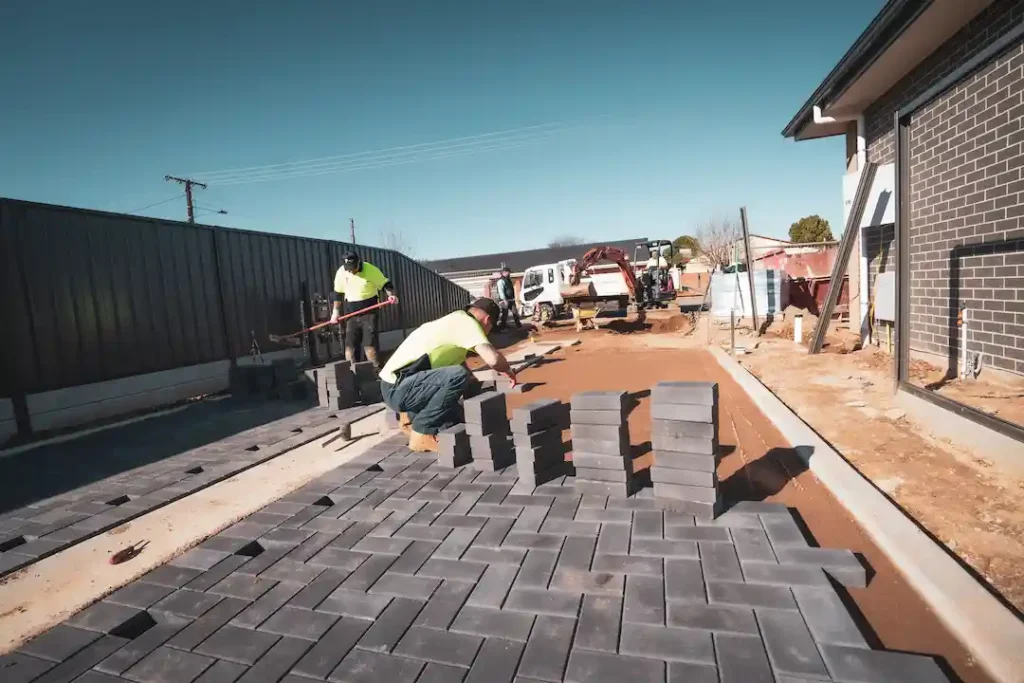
{"points": [[599, 254]]}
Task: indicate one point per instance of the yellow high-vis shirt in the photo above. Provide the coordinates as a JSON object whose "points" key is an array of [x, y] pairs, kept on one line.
{"points": [[359, 286], [444, 341]]}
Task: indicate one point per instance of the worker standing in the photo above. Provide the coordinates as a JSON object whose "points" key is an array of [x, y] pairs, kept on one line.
{"points": [[426, 375], [359, 284], [507, 298]]}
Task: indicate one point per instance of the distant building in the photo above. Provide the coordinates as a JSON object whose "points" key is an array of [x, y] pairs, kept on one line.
{"points": [[474, 272]]}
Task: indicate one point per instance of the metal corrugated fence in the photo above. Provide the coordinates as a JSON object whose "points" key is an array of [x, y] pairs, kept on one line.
{"points": [[92, 296]]}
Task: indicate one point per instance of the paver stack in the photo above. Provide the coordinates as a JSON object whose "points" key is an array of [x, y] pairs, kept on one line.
{"points": [[453, 448], [335, 385], [684, 434], [366, 382], [600, 444], [487, 427], [537, 435]]}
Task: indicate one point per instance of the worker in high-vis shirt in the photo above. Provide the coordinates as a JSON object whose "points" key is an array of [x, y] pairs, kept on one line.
{"points": [[359, 285], [426, 375]]}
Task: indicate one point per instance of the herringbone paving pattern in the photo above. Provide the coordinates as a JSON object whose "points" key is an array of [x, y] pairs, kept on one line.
{"points": [[392, 568]]}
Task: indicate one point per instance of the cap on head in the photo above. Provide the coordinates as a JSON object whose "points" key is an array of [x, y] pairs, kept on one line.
{"points": [[487, 306], [351, 261], [505, 268]]}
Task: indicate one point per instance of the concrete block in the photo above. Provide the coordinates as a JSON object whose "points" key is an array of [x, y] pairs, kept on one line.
{"points": [[331, 649], [601, 447], [597, 417], [454, 448], [618, 433], [389, 627], [619, 475], [601, 488], [644, 601], [577, 552], [685, 444], [669, 644], [494, 463], [627, 564], [684, 461], [679, 492], [166, 664], [551, 436], [544, 455], [702, 511], [684, 581], [492, 588], [534, 479], [493, 427], [603, 462], [680, 428], [541, 462], [488, 410], [405, 586], [665, 475], [497, 661], [240, 645], [827, 618], [599, 623], [490, 447], [784, 574], [717, 618], [548, 648], [791, 650], [857, 664], [689, 413], [841, 565], [361, 666], [370, 392], [586, 666], [689, 393], [751, 595], [538, 415], [742, 659], [364, 372], [599, 400]]}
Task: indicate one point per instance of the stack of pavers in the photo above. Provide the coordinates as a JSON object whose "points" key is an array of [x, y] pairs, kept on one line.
{"points": [[453, 447], [335, 385], [487, 427], [537, 435], [684, 434], [600, 444], [366, 382]]}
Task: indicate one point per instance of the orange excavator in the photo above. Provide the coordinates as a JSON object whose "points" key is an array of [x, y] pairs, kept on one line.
{"points": [[583, 300]]}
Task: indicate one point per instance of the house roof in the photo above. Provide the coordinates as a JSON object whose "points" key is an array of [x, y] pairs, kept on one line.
{"points": [[519, 261], [900, 37]]}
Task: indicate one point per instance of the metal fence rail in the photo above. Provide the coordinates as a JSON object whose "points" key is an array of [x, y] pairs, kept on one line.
{"points": [[92, 296]]}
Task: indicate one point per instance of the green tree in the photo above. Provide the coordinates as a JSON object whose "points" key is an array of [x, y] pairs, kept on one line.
{"points": [[685, 242], [810, 229]]}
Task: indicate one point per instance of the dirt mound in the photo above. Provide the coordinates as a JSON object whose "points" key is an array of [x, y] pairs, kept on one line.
{"points": [[677, 323]]}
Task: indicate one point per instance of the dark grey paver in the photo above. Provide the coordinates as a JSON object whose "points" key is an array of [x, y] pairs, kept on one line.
{"points": [[493, 586], [644, 600], [459, 570], [105, 617], [242, 586], [577, 553], [268, 603], [628, 564], [368, 572], [200, 629], [684, 581], [719, 561], [698, 533], [59, 643], [783, 574], [188, 603], [752, 545], [277, 662], [599, 623], [536, 569], [493, 623], [508, 556], [442, 673], [446, 602], [405, 586], [538, 601], [613, 539], [666, 643], [790, 648], [167, 665], [171, 576], [497, 661], [391, 625], [687, 672], [586, 666], [548, 648], [827, 617], [222, 672], [21, 668], [296, 622], [414, 557], [742, 659], [360, 666], [431, 645], [139, 594], [312, 595], [751, 595], [325, 656], [657, 547], [134, 651], [237, 644], [719, 618], [858, 664]]}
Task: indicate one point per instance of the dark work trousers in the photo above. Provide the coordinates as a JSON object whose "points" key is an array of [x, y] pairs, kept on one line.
{"points": [[505, 307], [361, 329], [430, 397]]}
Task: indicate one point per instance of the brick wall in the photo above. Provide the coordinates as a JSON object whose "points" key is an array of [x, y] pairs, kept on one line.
{"points": [[992, 22], [966, 208]]}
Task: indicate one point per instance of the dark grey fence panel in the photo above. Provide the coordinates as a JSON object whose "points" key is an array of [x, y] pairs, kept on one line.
{"points": [[93, 296]]}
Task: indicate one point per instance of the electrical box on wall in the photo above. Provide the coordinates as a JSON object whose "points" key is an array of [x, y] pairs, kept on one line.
{"points": [[885, 297]]}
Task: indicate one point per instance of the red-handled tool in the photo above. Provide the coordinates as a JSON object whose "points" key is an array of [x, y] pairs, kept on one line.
{"points": [[277, 339]]}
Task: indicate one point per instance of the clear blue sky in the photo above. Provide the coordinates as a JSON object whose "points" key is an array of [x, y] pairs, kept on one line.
{"points": [[674, 113]]}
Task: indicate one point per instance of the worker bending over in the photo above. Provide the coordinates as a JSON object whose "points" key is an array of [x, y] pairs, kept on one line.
{"points": [[426, 376], [359, 284]]}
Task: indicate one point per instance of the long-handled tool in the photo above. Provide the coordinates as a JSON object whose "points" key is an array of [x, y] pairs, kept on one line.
{"points": [[277, 339]]}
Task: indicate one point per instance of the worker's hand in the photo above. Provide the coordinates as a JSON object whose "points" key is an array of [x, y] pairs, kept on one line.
{"points": [[335, 316], [511, 374], [392, 299]]}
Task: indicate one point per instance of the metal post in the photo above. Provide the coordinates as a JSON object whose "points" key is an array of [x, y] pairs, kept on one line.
{"points": [[732, 332], [750, 269]]}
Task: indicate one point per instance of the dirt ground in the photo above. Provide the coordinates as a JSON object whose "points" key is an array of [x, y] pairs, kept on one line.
{"points": [[759, 465]]}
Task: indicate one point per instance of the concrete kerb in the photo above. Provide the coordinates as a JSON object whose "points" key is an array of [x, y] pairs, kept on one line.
{"points": [[990, 631], [35, 599]]}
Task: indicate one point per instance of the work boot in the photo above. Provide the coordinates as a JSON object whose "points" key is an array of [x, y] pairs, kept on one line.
{"points": [[371, 355], [350, 354], [422, 443], [404, 423]]}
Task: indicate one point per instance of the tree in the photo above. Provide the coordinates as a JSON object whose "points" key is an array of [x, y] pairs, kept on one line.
{"points": [[565, 241], [810, 229], [395, 240], [717, 239]]}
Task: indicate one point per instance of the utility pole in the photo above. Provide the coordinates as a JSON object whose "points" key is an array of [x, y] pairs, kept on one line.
{"points": [[188, 183], [352, 230]]}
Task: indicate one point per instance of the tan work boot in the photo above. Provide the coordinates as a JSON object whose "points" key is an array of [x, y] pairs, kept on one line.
{"points": [[350, 354], [371, 355], [404, 423], [422, 443]]}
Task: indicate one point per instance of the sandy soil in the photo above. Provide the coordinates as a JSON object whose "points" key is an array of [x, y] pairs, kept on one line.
{"points": [[759, 466]]}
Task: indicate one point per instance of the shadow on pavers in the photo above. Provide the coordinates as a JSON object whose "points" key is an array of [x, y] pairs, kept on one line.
{"points": [[52, 469], [764, 477]]}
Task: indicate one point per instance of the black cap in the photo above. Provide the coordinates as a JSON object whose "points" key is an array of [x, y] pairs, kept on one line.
{"points": [[352, 256], [487, 306]]}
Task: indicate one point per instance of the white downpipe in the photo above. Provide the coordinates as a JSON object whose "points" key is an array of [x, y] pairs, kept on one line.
{"points": [[964, 370]]}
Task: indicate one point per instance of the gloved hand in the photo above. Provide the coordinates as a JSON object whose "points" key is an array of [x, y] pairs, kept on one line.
{"points": [[335, 316], [392, 299]]}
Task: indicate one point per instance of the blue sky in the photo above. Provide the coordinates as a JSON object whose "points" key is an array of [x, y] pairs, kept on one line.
{"points": [[667, 113]]}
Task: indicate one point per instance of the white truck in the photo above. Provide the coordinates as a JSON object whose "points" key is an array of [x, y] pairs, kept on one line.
{"points": [[542, 286]]}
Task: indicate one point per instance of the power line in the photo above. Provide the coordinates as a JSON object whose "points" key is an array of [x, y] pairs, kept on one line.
{"points": [[150, 206], [188, 183], [448, 141]]}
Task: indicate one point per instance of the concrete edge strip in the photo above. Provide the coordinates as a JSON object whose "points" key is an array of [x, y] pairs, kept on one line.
{"points": [[64, 584], [990, 631]]}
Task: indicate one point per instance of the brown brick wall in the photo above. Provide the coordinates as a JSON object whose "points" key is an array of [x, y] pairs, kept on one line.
{"points": [[966, 212], [992, 22]]}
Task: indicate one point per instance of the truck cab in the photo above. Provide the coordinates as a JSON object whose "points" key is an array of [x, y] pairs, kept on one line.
{"points": [[541, 289]]}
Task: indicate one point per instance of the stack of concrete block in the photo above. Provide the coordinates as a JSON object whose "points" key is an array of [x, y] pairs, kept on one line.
{"points": [[537, 436], [367, 382], [601, 451], [454, 449], [335, 385], [487, 427], [684, 434]]}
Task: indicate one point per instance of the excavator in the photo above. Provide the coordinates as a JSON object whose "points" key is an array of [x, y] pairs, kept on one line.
{"points": [[582, 298]]}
